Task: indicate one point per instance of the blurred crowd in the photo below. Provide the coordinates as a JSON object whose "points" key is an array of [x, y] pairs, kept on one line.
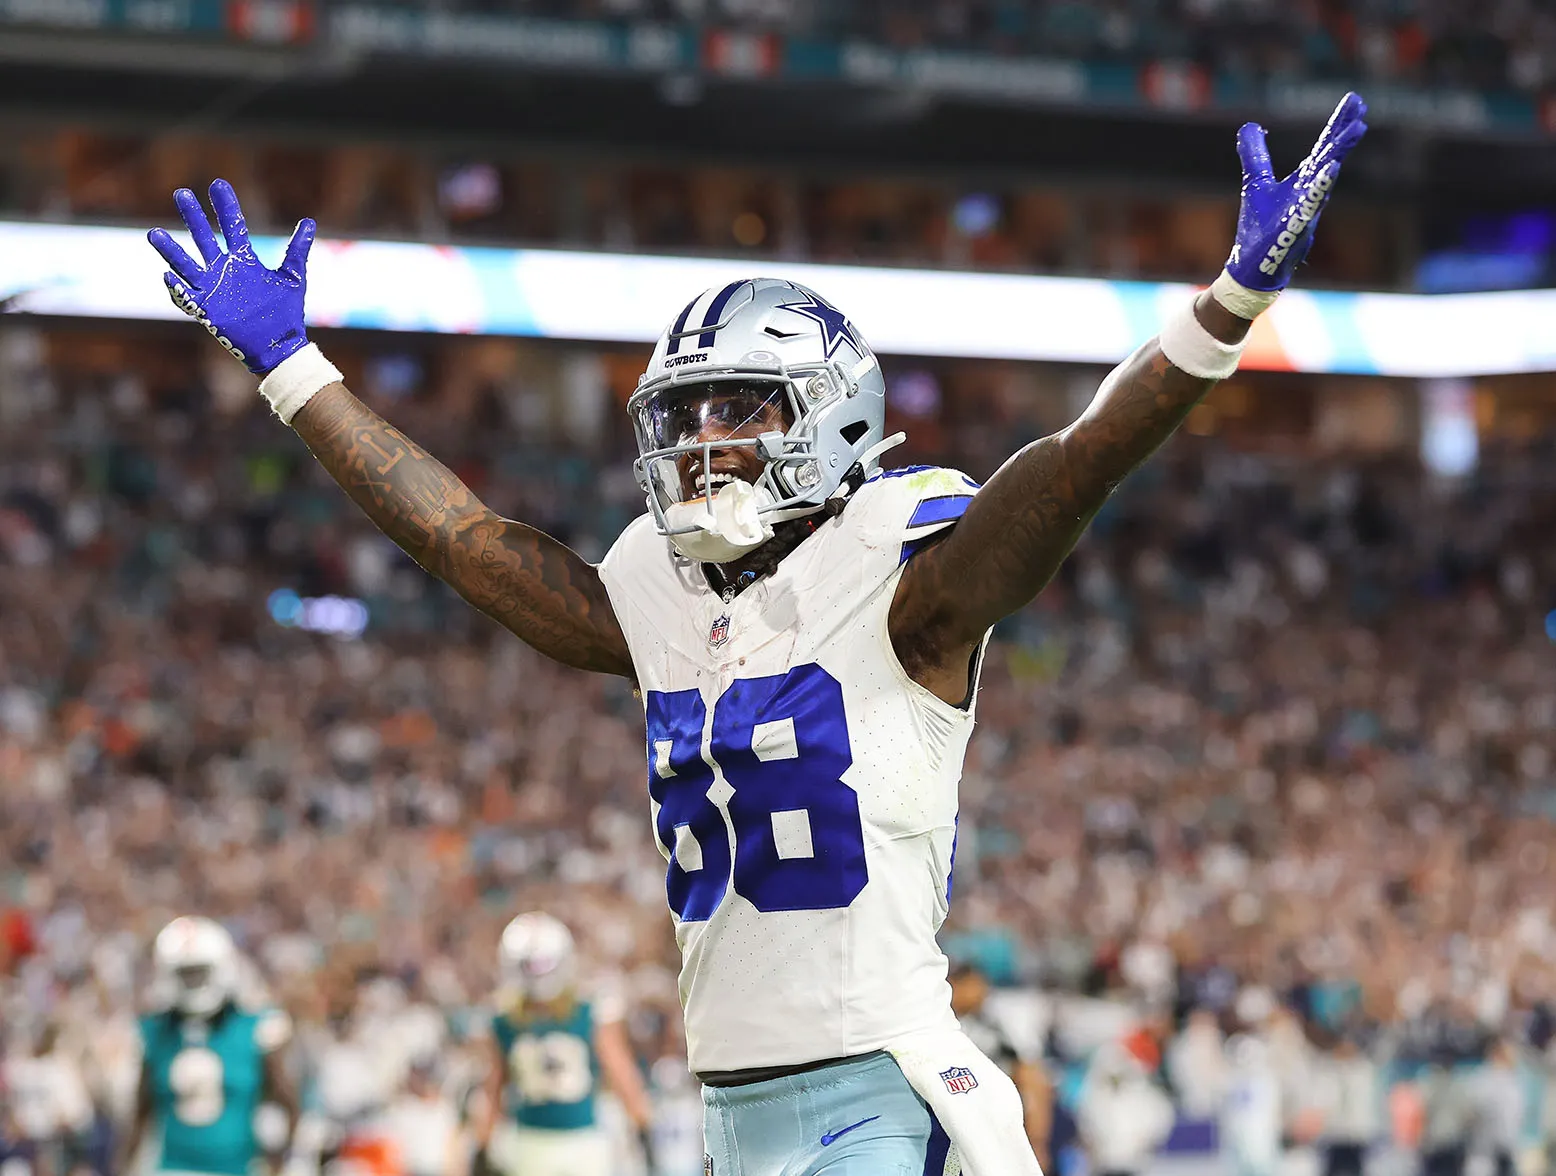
{"points": [[1258, 813], [430, 194], [1507, 44]]}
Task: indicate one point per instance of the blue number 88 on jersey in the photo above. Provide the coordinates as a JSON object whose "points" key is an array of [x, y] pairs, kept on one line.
{"points": [[781, 744]]}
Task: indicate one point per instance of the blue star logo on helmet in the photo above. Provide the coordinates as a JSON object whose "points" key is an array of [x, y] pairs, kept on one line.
{"points": [[835, 327]]}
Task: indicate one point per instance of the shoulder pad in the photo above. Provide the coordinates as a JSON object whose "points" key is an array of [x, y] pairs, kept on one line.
{"points": [[910, 505]]}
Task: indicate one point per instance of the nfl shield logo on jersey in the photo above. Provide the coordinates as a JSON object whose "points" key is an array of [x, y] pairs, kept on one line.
{"points": [[720, 632], [958, 1079]]}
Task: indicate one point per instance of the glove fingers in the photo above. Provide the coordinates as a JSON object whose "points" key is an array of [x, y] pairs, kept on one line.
{"points": [[1350, 109], [1331, 154], [184, 266], [1340, 129], [199, 225], [295, 264], [1254, 153], [1341, 147], [229, 214]]}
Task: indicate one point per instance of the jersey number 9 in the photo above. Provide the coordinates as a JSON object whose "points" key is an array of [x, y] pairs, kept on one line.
{"points": [[781, 743], [195, 1077]]}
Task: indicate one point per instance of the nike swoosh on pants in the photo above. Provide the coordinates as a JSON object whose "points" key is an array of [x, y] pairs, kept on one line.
{"points": [[832, 1137]]}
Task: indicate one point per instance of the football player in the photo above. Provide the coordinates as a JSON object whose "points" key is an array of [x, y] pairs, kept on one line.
{"points": [[552, 1046], [207, 1063], [806, 629]]}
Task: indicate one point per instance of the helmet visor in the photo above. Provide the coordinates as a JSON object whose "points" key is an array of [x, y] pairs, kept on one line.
{"points": [[699, 413]]}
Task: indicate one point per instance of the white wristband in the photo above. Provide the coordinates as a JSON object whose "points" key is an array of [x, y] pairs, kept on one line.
{"points": [[1239, 299], [1190, 347], [293, 381]]}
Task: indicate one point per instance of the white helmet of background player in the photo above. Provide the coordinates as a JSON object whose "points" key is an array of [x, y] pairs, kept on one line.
{"points": [[196, 962], [536, 956], [734, 354]]}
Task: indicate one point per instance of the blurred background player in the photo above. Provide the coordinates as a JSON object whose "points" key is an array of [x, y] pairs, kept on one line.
{"points": [[1251, 1119], [1347, 1093], [422, 1122], [45, 1107], [1122, 1114], [208, 1064], [553, 1045]]}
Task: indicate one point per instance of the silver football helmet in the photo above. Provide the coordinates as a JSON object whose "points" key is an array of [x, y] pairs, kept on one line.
{"points": [[536, 957], [766, 365]]}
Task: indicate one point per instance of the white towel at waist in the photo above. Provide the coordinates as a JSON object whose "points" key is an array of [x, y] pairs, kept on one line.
{"points": [[976, 1103]]}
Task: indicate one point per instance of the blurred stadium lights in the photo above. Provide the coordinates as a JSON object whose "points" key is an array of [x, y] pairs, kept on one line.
{"points": [[336, 616], [469, 191], [976, 214], [915, 394], [1450, 440], [86, 271]]}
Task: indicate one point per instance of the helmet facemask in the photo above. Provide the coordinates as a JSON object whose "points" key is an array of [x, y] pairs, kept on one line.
{"points": [[685, 433], [196, 989], [542, 979]]}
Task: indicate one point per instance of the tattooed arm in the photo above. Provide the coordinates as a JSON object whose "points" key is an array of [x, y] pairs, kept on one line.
{"points": [[1019, 528], [1022, 524], [520, 577]]}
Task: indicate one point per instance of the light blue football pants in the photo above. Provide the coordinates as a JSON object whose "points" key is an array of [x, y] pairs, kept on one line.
{"points": [[855, 1118]]}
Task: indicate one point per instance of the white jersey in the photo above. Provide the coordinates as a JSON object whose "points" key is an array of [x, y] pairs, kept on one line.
{"points": [[803, 787]]}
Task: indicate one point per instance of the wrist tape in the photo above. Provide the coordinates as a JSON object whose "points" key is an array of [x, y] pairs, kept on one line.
{"points": [[1239, 299], [1189, 346], [293, 381]]}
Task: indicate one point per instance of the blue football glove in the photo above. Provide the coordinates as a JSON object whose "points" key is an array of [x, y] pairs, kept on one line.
{"points": [[254, 312], [1276, 222]]}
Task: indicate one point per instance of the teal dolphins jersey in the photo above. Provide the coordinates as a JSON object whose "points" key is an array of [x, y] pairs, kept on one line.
{"points": [[553, 1070], [207, 1080]]}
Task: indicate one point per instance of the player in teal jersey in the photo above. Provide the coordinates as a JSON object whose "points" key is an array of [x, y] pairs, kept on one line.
{"points": [[551, 1048], [207, 1063]]}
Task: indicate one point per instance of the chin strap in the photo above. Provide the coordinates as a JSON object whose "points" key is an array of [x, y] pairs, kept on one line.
{"points": [[880, 447]]}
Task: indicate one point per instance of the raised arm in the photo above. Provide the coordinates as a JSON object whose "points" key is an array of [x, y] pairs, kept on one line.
{"points": [[1026, 519], [525, 580], [1024, 522]]}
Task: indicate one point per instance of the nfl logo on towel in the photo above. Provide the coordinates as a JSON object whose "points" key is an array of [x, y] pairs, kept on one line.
{"points": [[720, 632], [958, 1080]]}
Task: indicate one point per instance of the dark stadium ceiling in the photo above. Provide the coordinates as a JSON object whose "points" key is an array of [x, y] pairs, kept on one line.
{"points": [[248, 90]]}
